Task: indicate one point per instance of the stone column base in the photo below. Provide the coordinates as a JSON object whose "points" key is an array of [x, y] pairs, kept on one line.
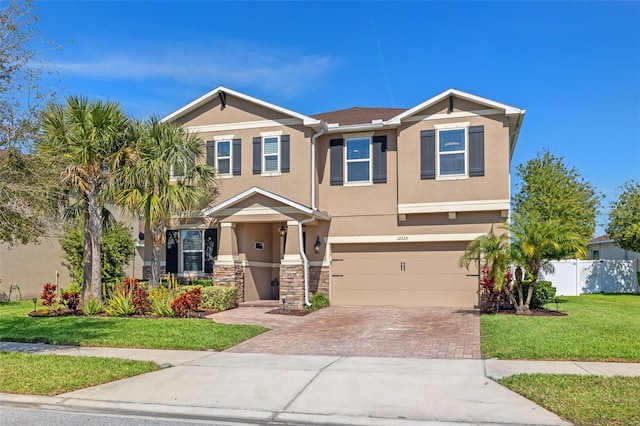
{"points": [[230, 275], [319, 280], [292, 286]]}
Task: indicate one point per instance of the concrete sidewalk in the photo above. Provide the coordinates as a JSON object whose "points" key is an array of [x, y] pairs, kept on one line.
{"points": [[264, 389]]}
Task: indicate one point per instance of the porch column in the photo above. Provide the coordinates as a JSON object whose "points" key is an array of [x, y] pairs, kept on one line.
{"points": [[292, 270], [228, 269]]}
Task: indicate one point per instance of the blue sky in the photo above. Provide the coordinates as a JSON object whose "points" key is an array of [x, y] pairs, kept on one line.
{"points": [[574, 66]]}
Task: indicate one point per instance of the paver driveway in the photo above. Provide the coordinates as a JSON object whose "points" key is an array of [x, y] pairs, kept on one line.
{"points": [[420, 332]]}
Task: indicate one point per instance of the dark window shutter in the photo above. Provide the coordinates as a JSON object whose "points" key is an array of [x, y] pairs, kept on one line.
{"points": [[237, 157], [257, 155], [476, 151], [171, 252], [380, 159], [336, 161], [428, 154], [211, 153], [210, 249], [285, 148]]}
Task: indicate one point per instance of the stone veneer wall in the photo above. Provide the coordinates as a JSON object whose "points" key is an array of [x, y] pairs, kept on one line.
{"points": [[146, 271], [319, 280], [292, 286], [230, 275]]}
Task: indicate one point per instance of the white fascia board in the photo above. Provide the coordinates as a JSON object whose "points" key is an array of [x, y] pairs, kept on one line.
{"points": [[307, 121], [421, 238], [359, 127], [255, 190], [454, 206], [508, 110]]}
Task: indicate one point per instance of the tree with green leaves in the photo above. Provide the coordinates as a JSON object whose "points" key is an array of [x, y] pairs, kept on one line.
{"points": [[624, 218], [164, 177], [86, 139], [554, 191], [116, 252]]}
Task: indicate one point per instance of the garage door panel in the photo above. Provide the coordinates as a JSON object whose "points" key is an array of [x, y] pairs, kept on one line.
{"points": [[413, 274], [405, 281], [398, 298]]}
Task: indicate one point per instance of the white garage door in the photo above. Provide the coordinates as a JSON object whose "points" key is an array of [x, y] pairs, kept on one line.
{"points": [[402, 274]]}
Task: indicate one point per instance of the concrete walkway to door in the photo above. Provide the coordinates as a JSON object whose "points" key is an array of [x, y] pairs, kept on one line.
{"points": [[374, 331]]}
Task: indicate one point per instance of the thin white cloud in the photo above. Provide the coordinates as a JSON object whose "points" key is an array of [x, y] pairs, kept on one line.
{"points": [[228, 63]]}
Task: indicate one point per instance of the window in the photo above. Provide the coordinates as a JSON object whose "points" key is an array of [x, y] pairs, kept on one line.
{"points": [[595, 254], [192, 247], [358, 160], [180, 169], [271, 154], [223, 157], [452, 151]]}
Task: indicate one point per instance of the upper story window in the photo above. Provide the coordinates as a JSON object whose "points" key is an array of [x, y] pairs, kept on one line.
{"points": [[271, 154], [358, 160], [223, 157], [452, 152]]}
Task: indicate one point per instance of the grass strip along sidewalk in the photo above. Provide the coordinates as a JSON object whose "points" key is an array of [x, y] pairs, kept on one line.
{"points": [[143, 333], [35, 374], [583, 400]]}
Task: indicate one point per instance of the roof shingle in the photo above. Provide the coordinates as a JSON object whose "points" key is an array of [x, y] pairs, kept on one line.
{"points": [[358, 115]]}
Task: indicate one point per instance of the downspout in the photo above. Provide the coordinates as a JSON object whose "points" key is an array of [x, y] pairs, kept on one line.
{"points": [[313, 167], [304, 258]]}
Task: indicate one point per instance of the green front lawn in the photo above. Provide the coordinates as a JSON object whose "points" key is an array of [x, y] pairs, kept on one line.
{"points": [[162, 333], [34, 374], [598, 327], [583, 400]]}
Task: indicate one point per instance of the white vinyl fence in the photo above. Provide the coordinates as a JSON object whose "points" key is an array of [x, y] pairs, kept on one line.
{"points": [[575, 277]]}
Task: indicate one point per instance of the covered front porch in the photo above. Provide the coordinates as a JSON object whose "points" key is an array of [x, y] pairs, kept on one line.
{"points": [[271, 248]]}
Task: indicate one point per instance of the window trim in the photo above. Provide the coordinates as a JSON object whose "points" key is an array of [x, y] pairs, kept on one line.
{"points": [[347, 182], [445, 128], [278, 155], [230, 157]]}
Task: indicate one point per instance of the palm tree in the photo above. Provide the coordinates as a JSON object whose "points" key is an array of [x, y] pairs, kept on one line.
{"points": [[536, 241], [85, 139], [492, 251], [146, 186]]}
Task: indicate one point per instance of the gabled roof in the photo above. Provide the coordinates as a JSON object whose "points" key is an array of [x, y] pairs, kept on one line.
{"points": [[508, 110], [358, 115], [307, 121], [259, 191]]}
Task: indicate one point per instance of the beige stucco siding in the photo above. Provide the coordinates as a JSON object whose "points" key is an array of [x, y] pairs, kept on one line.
{"points": [[493, 185], [407, 274]]}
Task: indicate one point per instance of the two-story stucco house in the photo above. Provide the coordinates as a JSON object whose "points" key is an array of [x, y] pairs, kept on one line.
{"points": [[371, 206]]}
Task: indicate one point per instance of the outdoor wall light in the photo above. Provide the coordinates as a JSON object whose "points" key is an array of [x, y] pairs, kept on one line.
{"points": [[283, 231], [318, 243]]}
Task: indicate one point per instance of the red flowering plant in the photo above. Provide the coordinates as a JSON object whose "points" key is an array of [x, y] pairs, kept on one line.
{"points": [[71, 299], [488, 287], [139, 295], [49, 297], [187, 302]]}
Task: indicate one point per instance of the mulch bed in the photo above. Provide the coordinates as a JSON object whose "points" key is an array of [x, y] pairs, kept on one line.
{"points": [[293, 312], [199, 314], [532, 313]]}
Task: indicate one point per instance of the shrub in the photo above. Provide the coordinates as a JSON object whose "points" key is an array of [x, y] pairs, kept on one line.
{"points": [[219, 297], [488, 289], [161, 299], [92, 306], [120, 304], [71, 299], [73, 287], [543, 293], [49, 295], [318, 301], [197, 282], [139, 295], [187, 302]]}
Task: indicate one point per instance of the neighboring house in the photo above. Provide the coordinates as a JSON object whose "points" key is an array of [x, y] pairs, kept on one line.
{"points": [[370, 206], [31, 265], [603, 247]]}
